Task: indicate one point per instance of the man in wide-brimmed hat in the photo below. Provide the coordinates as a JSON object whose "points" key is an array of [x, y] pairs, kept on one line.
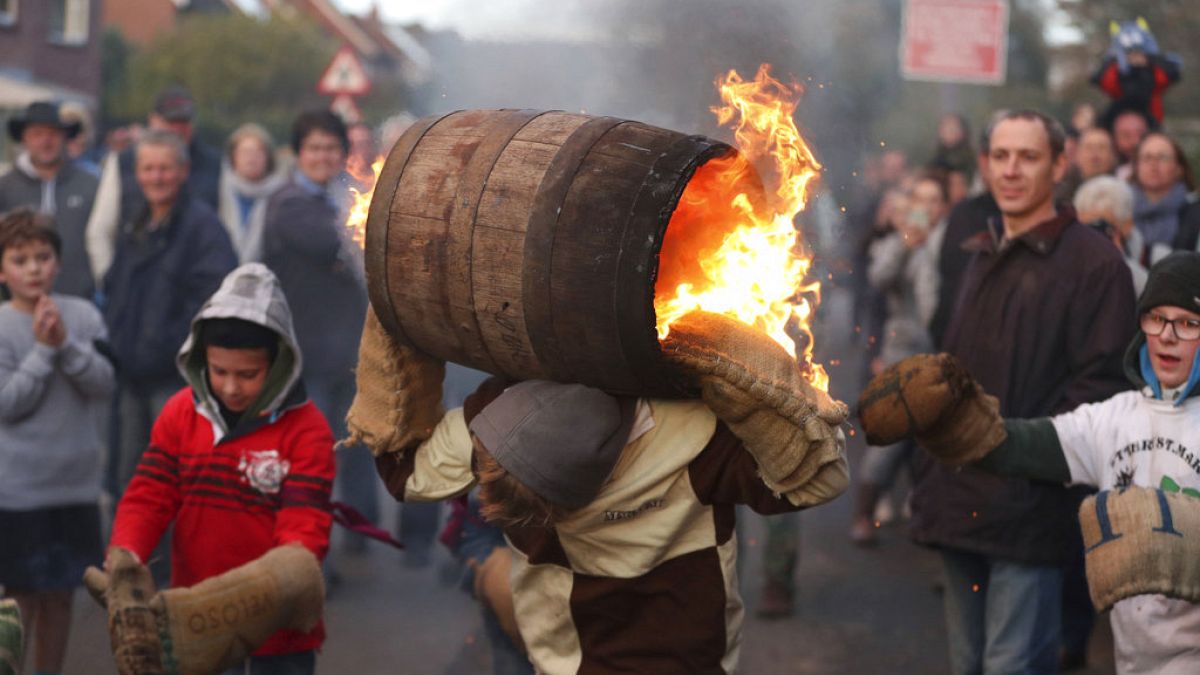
{"points": [[45, 179]]}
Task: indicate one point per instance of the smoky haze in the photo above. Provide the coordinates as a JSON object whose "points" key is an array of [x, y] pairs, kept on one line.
{"points": [[656, 61]]}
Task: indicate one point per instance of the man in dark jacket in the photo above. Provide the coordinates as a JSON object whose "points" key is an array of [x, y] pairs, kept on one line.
{"points": [[170, 257], [320, 269], [1044, 315], [120, 195], [44, 179]]}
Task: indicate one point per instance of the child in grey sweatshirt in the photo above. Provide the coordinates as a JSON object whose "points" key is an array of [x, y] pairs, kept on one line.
{"points": [[54, 389]]}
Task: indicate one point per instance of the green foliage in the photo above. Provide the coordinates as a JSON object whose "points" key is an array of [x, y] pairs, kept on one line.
{"points": [[240, 69], [115, 53]]}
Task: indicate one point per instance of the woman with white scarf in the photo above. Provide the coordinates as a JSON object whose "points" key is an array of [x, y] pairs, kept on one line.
{"points": [[249, 176]]}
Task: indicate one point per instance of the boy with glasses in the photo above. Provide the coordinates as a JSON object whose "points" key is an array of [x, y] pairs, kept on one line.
{"points": [[1143, 537]]}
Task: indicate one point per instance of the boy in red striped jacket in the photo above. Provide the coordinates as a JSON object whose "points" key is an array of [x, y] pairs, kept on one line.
{"points": [[242, 463]]}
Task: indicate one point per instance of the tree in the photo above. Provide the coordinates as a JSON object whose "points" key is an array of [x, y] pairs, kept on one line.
{"points": [[239, 68]]}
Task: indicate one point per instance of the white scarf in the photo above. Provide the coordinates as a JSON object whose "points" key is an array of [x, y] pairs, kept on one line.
{"points": [[247, 236]]}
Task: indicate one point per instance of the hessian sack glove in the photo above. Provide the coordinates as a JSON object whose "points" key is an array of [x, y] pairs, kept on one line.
{"points": [[933, 398], [753, 385]]}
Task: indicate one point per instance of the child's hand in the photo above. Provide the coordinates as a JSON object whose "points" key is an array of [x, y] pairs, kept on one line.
{"points": [[48, 327]]}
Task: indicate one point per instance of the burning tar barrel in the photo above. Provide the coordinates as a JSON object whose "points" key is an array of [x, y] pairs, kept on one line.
{"points": [[526, 243]]}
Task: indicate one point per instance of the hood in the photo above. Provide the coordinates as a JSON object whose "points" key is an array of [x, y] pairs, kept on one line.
{"points": [[1139, 371], [251, 293]]}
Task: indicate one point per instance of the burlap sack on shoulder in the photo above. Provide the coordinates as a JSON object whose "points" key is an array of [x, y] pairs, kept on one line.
{"points": [[220, 621], [399, 397], [1140, 541]]}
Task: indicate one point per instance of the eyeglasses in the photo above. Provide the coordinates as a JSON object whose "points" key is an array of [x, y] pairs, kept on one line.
{"points": [[1185, 328], [1161, 158]]}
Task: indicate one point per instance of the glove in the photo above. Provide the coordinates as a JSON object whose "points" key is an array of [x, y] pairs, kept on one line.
{"points": [[756, 388], [213, 625], [935, 399], [399, 397], [1139, 541], [126, 589], [219, 622], [12, 638]]}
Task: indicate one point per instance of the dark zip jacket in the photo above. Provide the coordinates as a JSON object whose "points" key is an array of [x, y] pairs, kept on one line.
{"points": [[1042, 323]]}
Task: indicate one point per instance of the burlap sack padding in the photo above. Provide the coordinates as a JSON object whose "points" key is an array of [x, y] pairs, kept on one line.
{"points": [[492, 588], [933, 398], [132, 628], [1137, 556], [12, 638], [757, 389], [399, 397], [220, 621]]}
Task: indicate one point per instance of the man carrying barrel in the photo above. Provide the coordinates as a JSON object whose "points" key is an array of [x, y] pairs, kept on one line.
{"points": [[619, 511]]}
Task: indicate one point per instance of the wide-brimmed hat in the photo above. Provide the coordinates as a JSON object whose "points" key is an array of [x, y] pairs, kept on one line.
{"points": [[41, 112]]}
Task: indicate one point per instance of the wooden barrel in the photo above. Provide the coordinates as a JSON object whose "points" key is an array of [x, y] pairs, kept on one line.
{"points": [[525, 243]]}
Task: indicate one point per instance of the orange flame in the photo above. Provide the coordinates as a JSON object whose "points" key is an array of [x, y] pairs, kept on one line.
{"points": [[356, 219], [729, 249]]}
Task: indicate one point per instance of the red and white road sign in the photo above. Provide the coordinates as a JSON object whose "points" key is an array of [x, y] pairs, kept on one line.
{"points": [[955, 41], [345, 75]]}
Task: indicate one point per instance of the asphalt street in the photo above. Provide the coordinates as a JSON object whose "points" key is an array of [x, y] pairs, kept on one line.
{"points": [[875, 610]]}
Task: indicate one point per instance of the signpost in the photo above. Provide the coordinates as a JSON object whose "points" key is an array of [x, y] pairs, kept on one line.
{"points": [[955, 41], [345, 78]]}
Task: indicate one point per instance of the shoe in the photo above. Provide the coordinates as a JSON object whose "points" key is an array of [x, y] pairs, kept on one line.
{"points": [[863, 532], [776, 602]]}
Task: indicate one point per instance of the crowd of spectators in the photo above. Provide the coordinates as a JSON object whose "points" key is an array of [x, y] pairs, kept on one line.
{"points": [[143, 236], [1021, 250], [1030, 279]]}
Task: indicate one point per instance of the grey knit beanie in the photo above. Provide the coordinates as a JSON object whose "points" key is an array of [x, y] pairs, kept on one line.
{"points": [[559, 440]]}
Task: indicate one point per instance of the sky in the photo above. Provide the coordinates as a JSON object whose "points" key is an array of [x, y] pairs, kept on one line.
{"points": [[503, 19], [507, 19]]}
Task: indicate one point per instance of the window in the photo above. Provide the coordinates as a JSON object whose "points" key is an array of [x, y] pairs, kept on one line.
{"points": [[69, 21], [8, 12]]}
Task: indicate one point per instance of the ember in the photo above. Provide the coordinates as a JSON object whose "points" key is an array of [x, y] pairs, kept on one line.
{"points": [[732, 251]]}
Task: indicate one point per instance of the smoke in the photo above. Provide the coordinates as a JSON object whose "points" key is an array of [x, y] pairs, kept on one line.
{"points": [[656, 61]]}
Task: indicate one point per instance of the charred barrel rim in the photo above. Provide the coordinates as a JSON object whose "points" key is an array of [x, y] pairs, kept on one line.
{"points": [[668, 377]]}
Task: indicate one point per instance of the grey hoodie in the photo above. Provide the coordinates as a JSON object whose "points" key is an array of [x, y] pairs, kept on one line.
{"points": [[251, 293]]}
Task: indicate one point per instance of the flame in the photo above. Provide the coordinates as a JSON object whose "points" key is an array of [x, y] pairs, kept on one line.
{"points": [[356, 219], [732, 250]]}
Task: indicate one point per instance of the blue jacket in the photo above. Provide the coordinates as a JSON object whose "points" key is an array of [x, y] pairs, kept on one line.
{"points": [[302, 246], [157, 283]]}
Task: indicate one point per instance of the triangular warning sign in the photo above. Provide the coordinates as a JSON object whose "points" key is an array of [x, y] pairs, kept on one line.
{"points": [[345, 75]]}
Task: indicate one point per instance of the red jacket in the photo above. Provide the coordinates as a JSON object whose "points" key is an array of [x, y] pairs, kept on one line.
{"points": [[233, 501]]}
